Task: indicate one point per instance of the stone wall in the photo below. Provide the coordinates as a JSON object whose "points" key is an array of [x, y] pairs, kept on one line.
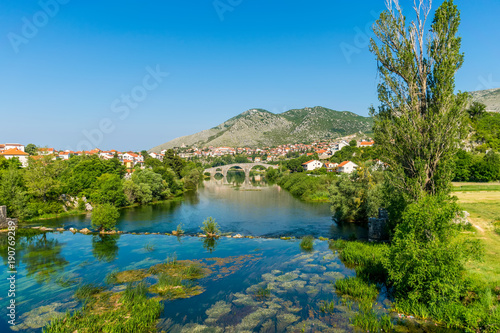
{"points": [[377, 227], [4, 221]]}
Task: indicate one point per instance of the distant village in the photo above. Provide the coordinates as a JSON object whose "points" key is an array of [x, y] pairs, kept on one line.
{"points": [[324, 150]]}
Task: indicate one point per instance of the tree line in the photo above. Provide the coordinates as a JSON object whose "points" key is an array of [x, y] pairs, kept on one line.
{"points": [[48, 187]]}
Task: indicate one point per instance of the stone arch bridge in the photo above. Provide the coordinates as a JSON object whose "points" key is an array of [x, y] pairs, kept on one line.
{"points": [[247, 167]]}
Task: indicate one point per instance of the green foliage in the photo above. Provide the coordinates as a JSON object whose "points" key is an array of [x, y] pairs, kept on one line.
{"points": [[356, 197], [85, 291], [420, 122], [367, 258], [82, 172], [307, 187], [108, 189], [487, 130], [356, 288], [41, 177], [31, 149], [179, 229], [104, 217], [476, 110], [210, 227], [426, 263], [307, 243]]}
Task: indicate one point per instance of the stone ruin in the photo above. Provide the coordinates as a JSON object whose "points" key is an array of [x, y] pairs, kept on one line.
{"points": [[377, 227], [4, 220]]}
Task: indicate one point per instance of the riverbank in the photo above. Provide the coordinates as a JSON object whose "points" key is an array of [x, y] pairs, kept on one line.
{"points": [[76, 212]]}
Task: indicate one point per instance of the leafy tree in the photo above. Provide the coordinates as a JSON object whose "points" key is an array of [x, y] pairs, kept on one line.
{"points": [[487, 131], [108, 189], [31, 149], [41, 177], [487, 168], [476, 110], [353, 143], [420, 120], [12, 192], [104, 217], [356, 197], [463, 162], [174, 162], [153, 180]]}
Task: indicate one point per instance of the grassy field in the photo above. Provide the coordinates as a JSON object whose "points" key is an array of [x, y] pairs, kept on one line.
{"points": [[484, 208], [474, 187]]}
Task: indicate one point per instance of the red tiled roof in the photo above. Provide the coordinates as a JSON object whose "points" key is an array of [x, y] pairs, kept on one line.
{"points": [[343, 163], [308, 162], [13, 151]]}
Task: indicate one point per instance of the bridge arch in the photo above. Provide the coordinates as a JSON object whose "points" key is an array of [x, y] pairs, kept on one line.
{"points": [[246, 167]]}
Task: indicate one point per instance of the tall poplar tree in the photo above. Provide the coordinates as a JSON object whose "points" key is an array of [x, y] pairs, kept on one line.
{"points": [[420, 120]]}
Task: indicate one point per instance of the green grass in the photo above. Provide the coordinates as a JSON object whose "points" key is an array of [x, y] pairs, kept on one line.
{"points": [[128, 311], [85, 291], [356, 288], [475, 188], [307, 243]]}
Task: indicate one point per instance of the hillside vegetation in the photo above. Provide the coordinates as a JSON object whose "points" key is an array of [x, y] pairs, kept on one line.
{"points": [[259, 127], [490, 97]]}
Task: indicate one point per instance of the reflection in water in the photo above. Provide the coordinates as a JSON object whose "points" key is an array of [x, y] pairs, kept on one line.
{"points": [[42, 257], [251, 208], [104, 247], [210, 244], [235, 177]]}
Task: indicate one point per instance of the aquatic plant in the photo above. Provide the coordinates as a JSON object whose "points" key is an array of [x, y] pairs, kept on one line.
{"points": [[149, 247], [307, 243], [135, 292], [263, 293], [327, 307], [193, 271], [356, 288], [210, 228], [85, 291], [128, 311], [370, 322], [111, 277], [179, 230]]}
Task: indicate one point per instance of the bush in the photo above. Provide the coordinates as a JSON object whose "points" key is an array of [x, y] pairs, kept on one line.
{"points": [[307, 243], [356, 197], [426, 264], [210, 227], [104, 217]]}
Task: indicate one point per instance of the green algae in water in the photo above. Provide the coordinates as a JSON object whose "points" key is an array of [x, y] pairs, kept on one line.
{"points": [[216, 311]]}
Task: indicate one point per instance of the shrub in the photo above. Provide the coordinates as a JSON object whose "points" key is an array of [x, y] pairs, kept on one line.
{"points": [[210, 227], [104, 217], [426, 263], [307, 243]]}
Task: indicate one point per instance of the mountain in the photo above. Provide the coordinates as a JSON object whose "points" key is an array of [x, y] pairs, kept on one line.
{"points": [[257, 127], [490, 97]]}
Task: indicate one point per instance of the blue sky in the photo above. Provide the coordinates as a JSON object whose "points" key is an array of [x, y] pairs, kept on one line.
{"points": [[66, 69]]}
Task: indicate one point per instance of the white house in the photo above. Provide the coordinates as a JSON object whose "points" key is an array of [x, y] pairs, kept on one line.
{"points": [[18, 146], [46, 151], [312, 165], [14, 152], [347, 167], [331, 166]]}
